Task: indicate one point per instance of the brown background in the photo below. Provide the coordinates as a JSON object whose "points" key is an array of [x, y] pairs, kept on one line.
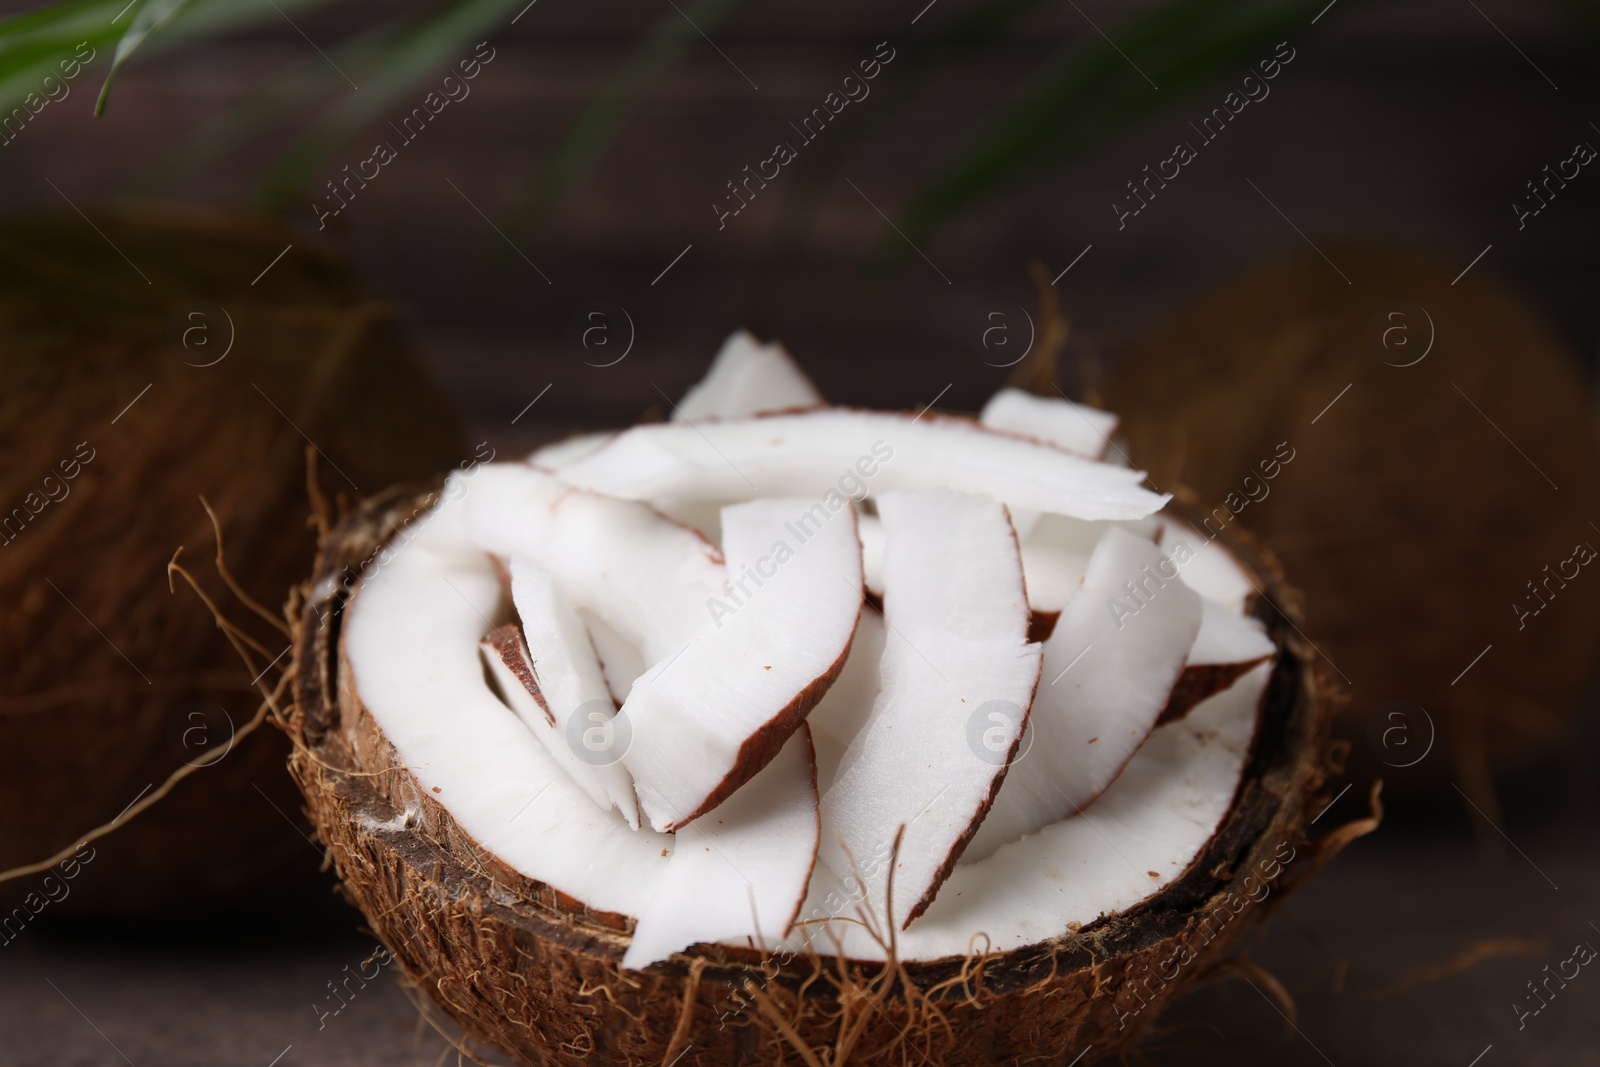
{"points": [[1409, 122]]}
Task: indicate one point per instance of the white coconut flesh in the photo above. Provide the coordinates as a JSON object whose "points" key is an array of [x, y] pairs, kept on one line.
{"points": [[567, 685], [707, 717], [838, 718], [1211, 571], [957, 654], [648, 577], [1064, 423], [1139, 837], [844, 452], [620, 661], [747, 378], [1074, 427], [1056, 551], [410, 638], [558, 454], [1109, 668], [644, 591], [740, 873], [1228, 639]]}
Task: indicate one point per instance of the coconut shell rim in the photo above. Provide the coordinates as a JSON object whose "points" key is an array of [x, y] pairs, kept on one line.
{"points": [[1282, 774]]}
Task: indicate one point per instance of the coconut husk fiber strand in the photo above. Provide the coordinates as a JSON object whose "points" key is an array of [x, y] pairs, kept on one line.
{"points": [[108, 682]]}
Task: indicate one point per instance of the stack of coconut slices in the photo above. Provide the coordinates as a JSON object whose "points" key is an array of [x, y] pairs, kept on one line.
{"points": [[788, 676]]}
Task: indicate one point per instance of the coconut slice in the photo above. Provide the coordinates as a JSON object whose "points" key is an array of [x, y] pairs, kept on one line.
{"points": [[740, 873], [511, 668], [1227, 647], [620, 661], [646, 577], [1109, 670], [710, 715], [1142, 835], [704, 516], [1209, 570], [836, 453], [872, 541], [958, 675], [410, 641], [563, 676], [839, 716], [1056, 551], [747, 378], [1078, 428], [558, 454]]}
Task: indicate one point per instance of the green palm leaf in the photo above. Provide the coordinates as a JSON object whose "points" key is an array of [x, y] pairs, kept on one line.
{"points": [[1097, 89]]}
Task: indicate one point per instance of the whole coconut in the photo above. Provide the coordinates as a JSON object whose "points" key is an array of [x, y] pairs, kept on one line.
{"points": [[1456, 462], [147, 364]]}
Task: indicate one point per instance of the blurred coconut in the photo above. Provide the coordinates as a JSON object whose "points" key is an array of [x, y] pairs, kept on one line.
{"points": [[1444, 455], [146, 364]]}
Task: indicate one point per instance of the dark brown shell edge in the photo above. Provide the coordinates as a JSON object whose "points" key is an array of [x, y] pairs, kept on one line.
{"points": [[525, 968]]}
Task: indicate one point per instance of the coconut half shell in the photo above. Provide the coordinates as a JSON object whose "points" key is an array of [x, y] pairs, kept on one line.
{"points": [[520, 966]]}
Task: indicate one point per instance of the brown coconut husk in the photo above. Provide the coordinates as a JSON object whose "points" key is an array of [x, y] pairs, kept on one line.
{"points": [[90, 721], [1410, 522], [524, 968]]}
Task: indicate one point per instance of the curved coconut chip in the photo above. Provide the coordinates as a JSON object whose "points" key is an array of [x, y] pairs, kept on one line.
{"points": [[557, 454], [747, 378], [716, 710], [410, 649], [656, 575], [621, 663], [957, 653], [1056, 551], [1227, 646], [828, 451], [558, 668], [1074, 427], [739, 874], [838, 717], [1109, 669], [1210, 571]]}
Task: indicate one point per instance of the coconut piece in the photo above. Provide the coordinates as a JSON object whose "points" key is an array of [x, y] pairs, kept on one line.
{"points": [[747, 378], [511, 669], [872, 540], [558, 454], [1210, 570], [1109, 670], [564, 677], [740, 873], [1227, 647], [647, 577], [1055, 555], [410, 636], [620, 662], [1141, 836], [839, 716], [704, 516], [1075, 427], [713, 713], [837, 453], [957, 654]]}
